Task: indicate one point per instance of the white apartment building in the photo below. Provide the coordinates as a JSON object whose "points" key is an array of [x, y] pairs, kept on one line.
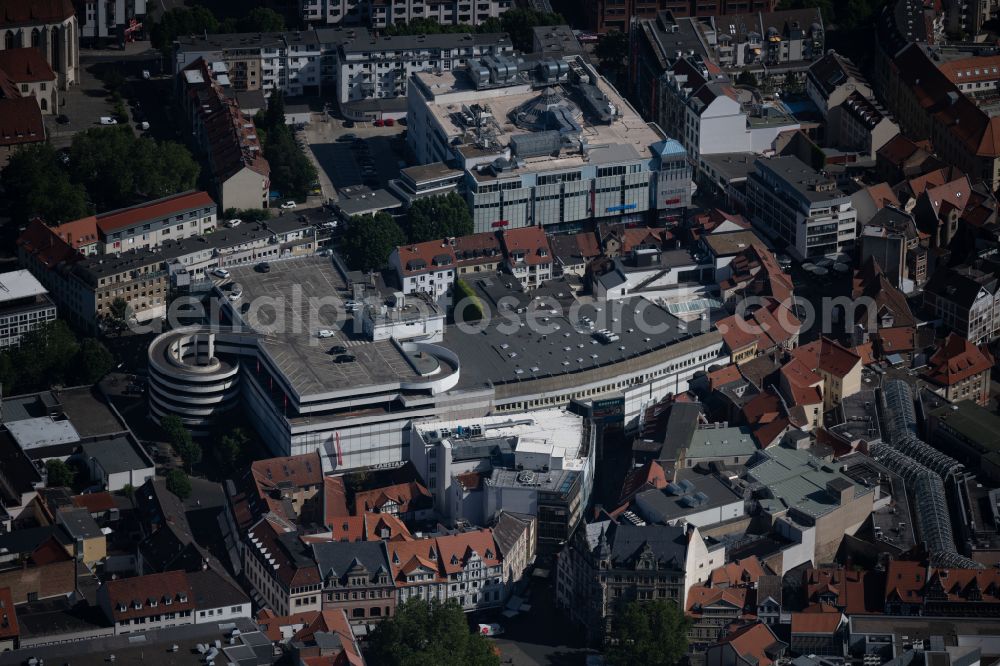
{"points": [[286, 61], [383, 13], [707, 116], [544, 143], [800, 207], [103, 20], [24, 306], [369, 67]]}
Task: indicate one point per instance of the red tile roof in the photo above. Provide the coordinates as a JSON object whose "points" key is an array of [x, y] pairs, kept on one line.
{"points": [[737, 332], [366, 527], [330, 622], [403, 494], [838, 589], [25, 65], [334, 498], [755, 641], [896, 340], [816, 623], [9, 627], [724, 375], [441, 556], [18, 12], [78, 233], [904, 581], [530, 242], [735, 597], [135, 597], [650, 475], [271, 624], [153, 210], [827, 355], [956, 360], [95, 502], [971, 70], [738, 572], [20, 121]]}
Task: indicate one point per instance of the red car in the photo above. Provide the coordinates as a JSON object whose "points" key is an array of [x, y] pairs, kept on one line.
{"points": [[379, 123], [389, 122]]}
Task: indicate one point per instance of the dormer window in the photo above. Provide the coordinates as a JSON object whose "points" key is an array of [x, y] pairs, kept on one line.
{"points": [[152, 602], [137, 605], [122, 607], [182, 597]]}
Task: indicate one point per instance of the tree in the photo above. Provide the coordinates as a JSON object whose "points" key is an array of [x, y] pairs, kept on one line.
{"points": [[178, 483], [231, 449], [292, 173], [180, 438], [747, 78], [181, 21], [369, 240], [432, 632], [247, 214], [439, 217], [472, 310], [653, 633], [518, 23], [274, 115], [59, 473], [92, 362], [612, 51], [44, 358], [36, 183], [118, 168], [119, 313]]}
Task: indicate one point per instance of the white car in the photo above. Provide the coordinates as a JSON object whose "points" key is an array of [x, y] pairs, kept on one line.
{"points": [[235, 295], [220, 272], [145, 74], [108, 120], [232, 224], [288, 205], [325, 333]]}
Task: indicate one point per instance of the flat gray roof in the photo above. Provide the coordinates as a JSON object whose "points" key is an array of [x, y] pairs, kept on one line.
{"points": [[801, 177], [116, 454], [296, 350], [673, 506], [730, 166], [559, 346]]}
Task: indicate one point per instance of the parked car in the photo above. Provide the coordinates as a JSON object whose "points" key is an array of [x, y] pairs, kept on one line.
{"points": [[351, 306], [345, 358], [263, 267], [338, 349], [325, 333], [348, 124], [389, 122], [144, 125], [232, 224], [108, 120], [235, 295], [490, 629], [347, 137], [145, 74], [379, 123], [288, 205], [221, 272]]}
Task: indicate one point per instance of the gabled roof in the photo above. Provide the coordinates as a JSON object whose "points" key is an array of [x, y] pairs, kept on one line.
{"points": [[20, 121], [956, 360], [25, 65], [746, 571], [409, 496], [155, 210], [531, 242], [827, 355], [153, 594], [667, 545], [34, 12], [756, 643]]}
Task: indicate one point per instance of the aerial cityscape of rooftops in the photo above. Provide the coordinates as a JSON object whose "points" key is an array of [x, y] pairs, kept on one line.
{"points": [[499, 332]]}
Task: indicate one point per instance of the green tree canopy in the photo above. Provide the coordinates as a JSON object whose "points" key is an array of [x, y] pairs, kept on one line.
{"points": [[118, 168], [424, 26], [93, 361], [178, 483], [35, 183], [230, 450], [652, 633], [180, 438], [747, 78], [260, 19], [292, 173], [429, 633], [439, 217], [518, 23], [247, 214], [612, 51], [182, 21], [369, 240], [59, 473]]}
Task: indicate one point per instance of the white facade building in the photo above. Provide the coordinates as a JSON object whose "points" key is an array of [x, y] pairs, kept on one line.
{"points": [[798, 206], [544, 143], [103, 20], [381, 14], [24, 306]]}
